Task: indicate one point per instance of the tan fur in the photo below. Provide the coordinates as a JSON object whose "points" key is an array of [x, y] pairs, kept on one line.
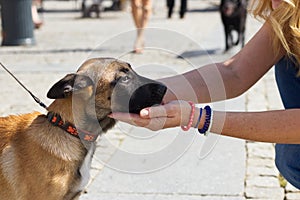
{"points": [[36, 161], [40, 161]]}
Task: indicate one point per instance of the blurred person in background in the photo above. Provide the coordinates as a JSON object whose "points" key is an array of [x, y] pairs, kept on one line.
{"points": [[141, 11], [35, 15], [183, 7]]}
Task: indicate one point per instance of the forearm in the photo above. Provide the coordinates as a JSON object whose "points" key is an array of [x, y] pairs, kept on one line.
{"points": [[209, 83], [229, 79], [281, 126], [269, 126]]}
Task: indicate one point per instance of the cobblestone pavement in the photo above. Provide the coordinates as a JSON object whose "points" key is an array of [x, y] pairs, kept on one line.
{"points": [[261, 180], [65, 41]]}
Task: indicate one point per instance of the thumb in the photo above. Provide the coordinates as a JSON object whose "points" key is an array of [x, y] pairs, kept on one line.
{"points": [[153, 112]]}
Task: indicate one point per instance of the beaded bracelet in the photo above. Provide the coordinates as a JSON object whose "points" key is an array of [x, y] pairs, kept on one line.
{"points": [[211, 120], [186, 128], [207, 120], [199, 118]]}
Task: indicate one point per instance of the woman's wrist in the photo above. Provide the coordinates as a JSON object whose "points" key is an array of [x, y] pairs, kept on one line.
{"points": [[208, 121], [191, 117], [199, 120]]}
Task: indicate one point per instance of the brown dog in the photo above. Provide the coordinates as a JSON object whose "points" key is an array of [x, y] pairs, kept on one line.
{"points": [[48, 157]]}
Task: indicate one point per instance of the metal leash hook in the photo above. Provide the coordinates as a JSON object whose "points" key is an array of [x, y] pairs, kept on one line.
{"points": [[36, 99]]}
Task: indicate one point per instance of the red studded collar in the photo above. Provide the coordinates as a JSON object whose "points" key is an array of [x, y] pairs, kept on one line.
{"points": [[56, 120]]}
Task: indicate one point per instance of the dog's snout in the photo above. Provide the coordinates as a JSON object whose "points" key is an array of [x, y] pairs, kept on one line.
{"points": [[139, 93], [161, 89], [147, 95], [158, 91]]}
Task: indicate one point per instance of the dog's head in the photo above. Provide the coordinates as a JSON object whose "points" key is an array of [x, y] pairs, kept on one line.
{"points": [[230, 7], [108, 85]]}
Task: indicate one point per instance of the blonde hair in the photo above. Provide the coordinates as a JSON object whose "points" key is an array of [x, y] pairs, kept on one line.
{"points": [[285, 21]]}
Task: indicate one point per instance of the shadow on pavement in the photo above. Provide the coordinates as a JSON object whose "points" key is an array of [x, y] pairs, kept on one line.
{"points": [[214, 8], [197, 53]]}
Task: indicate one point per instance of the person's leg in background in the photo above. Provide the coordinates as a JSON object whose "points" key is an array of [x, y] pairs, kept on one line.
{"points": [[183, 8], [170, 5], [35, 15], [141, 11]]}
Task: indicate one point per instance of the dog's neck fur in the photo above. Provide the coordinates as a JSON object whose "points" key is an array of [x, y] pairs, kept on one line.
{"points": [[63, 107], [67, 110]]}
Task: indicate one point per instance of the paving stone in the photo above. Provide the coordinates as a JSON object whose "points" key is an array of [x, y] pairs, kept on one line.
{"points": [[292, 196], [274, 193], [262, 181], [261, 153], [260, 162], [262, 171]]}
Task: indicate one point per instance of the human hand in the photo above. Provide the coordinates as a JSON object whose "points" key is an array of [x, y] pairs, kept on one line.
{"points": [[173, 114]]}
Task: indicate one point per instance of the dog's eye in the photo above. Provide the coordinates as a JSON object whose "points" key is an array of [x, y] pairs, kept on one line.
{"points": [[125, 79]]}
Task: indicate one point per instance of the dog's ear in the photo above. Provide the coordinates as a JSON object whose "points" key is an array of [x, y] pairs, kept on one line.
{"points": [[68, 85]]}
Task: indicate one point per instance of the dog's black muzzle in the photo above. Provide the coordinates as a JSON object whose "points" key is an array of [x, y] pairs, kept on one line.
{"points": [[145, 96], [139, 94]]}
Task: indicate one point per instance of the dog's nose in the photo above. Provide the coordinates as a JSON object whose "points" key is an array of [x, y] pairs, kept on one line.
{"points": [[147, 95], [161, 89]]}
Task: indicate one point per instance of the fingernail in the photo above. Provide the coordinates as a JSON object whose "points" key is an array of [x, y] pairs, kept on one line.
{"points": [[144, 112]]}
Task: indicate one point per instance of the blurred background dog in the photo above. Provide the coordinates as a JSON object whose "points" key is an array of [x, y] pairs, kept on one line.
{"points": [[234, 14]]}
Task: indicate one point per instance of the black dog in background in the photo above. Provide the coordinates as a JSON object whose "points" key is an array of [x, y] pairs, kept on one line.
{"points": [[233, 14]]}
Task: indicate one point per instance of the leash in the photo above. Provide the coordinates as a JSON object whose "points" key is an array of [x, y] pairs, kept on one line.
{"points": [[37, 100], [54, 118]]}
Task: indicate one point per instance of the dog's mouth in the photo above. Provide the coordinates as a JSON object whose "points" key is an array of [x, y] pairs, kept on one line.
{"points": [[148, 95], [136, 108]]}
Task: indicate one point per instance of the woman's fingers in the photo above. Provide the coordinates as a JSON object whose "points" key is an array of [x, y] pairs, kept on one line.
{"points": [[157, 117], [153, 112], [129, 118], [167, 110]]}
